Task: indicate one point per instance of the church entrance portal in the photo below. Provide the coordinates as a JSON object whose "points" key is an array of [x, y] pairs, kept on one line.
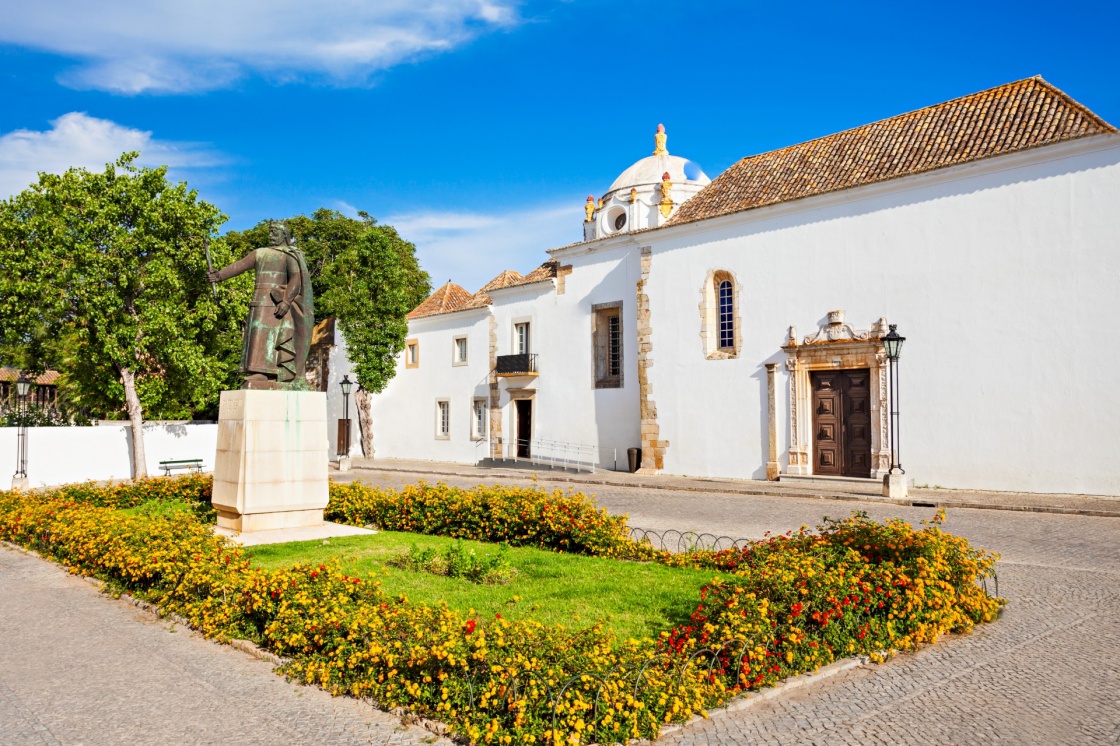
{"points": [[524, 426], [842, 422]]}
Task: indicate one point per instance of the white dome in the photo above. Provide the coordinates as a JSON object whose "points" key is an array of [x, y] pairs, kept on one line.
{"points": [[650, 169]]}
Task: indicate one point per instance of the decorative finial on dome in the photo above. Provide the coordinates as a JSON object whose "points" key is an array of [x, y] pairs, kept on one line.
{"points": [[659, 141], [589, 208], [633, 195]]}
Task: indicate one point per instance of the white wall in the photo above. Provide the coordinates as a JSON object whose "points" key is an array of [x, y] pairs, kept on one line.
{"points": [[338, 366], [567, 407], [1004, 278], [60, 455], [404, 414]]}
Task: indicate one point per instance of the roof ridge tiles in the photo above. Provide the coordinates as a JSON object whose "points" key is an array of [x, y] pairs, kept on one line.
{"points": [[1003, 119]]}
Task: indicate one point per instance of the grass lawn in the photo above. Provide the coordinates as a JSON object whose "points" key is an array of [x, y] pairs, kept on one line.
{"points": [[633, 599]]}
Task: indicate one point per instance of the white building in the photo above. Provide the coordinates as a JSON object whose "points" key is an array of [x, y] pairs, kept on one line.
{"points": [[733, 328]]}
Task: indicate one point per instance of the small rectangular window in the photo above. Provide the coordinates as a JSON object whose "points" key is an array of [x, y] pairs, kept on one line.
{"points": [[521, 334], [412, 354], [606, 333], [478, 422], [443, 419], [459, 351]]}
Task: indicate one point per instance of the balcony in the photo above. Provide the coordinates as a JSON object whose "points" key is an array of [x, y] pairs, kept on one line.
{"points": [[517, 366]]}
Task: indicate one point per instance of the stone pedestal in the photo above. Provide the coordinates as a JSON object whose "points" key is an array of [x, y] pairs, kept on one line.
{"points": [[19, 483], [894, 486], [344, 463], [270, 471]]}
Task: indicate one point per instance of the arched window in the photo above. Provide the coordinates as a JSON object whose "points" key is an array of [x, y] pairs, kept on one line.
{"points": [[720, 325], [725, 293]]}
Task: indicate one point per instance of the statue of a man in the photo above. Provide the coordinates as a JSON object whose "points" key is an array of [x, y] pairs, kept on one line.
{"points": [[281, 315]]}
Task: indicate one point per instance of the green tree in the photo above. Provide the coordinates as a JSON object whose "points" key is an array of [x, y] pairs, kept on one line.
{"points": [[102, 276], [364, 275]]}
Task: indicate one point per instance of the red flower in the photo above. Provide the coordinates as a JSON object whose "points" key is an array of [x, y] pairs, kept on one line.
{"points": [[470, 626]]}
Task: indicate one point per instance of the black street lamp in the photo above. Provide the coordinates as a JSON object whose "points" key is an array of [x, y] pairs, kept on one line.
{"points": [[344, 430], [893, 344], [23, 388]]}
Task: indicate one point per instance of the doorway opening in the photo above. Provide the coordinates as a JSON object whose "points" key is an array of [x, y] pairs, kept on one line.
{"points": [[524, 408]]}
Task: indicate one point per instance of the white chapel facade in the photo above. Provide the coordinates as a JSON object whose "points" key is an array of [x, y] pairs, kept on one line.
{"points": [[733, 327]]}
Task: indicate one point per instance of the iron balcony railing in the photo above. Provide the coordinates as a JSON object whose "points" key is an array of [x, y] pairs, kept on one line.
{"points": [[517, 365]]}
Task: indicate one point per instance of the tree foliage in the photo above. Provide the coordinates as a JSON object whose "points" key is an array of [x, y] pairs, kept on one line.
{"points": [[102, 276]]}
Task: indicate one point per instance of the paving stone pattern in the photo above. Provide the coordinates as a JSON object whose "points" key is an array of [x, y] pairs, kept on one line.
{"points": [[1047, 672], [79, 668]]}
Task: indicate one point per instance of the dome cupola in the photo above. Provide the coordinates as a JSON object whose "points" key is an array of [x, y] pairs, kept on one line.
{"points": [[646, 194]]}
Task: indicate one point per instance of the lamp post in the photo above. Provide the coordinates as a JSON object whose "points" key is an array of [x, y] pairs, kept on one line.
{"points": [[894, 484], [23, 388], [344, 425]]}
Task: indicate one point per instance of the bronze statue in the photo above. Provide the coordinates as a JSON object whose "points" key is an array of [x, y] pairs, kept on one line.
{"points": [[281, 315]]}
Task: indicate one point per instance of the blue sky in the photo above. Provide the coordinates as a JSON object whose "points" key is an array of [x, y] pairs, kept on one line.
{"points": [[478, 127]]}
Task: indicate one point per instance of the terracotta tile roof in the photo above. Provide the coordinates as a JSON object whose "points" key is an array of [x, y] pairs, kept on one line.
{"points": [[478, 300], [504, 280], [452, 297], [482, 297], [1006, 119], [448, 298], [50, 378], [546, 271]]}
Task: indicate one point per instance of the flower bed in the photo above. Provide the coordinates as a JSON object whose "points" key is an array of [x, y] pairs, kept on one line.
{"points": [[792, 603], [519, 516]]}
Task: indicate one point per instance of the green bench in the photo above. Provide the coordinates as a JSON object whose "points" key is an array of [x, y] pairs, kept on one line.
{"points": [[191, 464]]}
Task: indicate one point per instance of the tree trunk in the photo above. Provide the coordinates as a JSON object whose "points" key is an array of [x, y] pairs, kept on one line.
{"points": [[365, 421], [136, 417]]}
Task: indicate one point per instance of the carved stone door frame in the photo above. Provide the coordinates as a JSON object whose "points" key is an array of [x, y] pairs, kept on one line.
{"points": [[836, 346]]}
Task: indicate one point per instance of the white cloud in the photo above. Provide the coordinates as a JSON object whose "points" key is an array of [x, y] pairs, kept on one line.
{"points": [[79, 140], [346, 208], [470, 248], [173, 46]]}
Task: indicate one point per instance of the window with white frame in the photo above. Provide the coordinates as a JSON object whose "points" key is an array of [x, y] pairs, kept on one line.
{"points": [[459, 351], [521, 339], [606, 339], [443, 419], [478, 420]]}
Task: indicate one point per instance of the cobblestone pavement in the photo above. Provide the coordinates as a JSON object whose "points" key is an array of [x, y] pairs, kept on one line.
{"points": [[1047, 672], [79, 668], [823, 488]]}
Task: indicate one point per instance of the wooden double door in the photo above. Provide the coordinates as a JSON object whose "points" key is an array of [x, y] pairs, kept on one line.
{"points": [[842, 422]]}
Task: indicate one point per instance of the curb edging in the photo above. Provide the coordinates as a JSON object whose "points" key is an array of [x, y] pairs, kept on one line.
{"points": [[750, 700], [716, 489]]}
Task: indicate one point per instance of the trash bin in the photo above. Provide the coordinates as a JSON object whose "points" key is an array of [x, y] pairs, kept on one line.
{"points": [[635, 456]]}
